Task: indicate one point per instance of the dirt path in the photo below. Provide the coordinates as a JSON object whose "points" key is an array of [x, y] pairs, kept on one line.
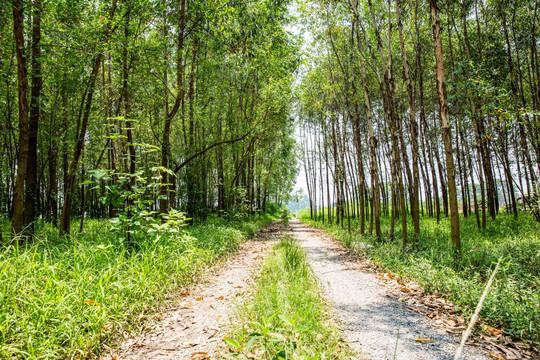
{"points": [[370, 318], [193, 329]]}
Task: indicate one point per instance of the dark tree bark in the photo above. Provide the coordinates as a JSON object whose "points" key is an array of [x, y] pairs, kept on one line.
{"points": [[33, 123], [22, 81]]}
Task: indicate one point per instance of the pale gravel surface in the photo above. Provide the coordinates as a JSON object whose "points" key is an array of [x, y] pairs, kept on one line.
{"points": [[194, 329], [370, 318]]}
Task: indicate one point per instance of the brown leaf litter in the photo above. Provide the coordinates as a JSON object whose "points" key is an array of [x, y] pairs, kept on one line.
{"points": [[193, 328], [442, 313]]}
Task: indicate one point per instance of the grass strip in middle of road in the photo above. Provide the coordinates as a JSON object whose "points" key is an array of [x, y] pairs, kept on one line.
{"points": [[286, 318]]}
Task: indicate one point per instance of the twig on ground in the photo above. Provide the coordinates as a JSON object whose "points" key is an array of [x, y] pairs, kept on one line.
{"points": [[467, 332]]}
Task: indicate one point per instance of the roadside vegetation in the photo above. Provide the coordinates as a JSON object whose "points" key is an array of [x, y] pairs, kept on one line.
{"points": [[286, 318], [406, 120], [513, 304], [63, 298]]}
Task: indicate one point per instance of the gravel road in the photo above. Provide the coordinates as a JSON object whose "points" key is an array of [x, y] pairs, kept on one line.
{"points": [[372, 321]]}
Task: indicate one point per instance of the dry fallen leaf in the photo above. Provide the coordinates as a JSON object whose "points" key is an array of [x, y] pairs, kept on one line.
{"points": [[496, 356], [188, 344], [199, 298], [185, 293], [220, 297], [450, 323], [491, 330], [424, 340], [405, 289], [91, 302], [108, 326], [211, 331], [200, 355], [185, 305], [115, 357]]}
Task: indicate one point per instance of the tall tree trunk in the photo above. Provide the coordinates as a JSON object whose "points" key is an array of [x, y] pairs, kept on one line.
{"points": [[166, 140], [462, 177], [33, 123], [447, 136], [513, 87], [413, 127], [191, 175], [471, 169], [220, 174], [22, 81], [376, 213], [130, 156], [52, 191], [387, 92]]}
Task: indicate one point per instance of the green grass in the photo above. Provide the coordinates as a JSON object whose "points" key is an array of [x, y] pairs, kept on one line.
{"points": [[514, 300], [286, 315], [61, 299]]}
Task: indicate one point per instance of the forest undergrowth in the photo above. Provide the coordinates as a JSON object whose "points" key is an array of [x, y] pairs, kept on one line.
{"points": [[62, 298], [513, 304]]}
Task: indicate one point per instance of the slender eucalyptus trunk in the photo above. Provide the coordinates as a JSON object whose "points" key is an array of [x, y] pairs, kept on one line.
{"points": [[446, 133]]}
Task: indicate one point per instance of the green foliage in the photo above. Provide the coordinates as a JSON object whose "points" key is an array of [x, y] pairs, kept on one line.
{"points": [[131, 195], [61, 298], [514, 301], [268, 332], [236, 87], [285, 215], [286, 319]]}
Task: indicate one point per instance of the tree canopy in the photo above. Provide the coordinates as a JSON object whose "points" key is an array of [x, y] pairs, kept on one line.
{"points": [[109, 107]]}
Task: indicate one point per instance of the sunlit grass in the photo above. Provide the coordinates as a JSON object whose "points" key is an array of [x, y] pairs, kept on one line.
{"points": [[286, 316], [63, 298]]}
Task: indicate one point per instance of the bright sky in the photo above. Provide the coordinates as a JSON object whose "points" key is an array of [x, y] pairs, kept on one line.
{"points": [[301, 182], [297, 29]]}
